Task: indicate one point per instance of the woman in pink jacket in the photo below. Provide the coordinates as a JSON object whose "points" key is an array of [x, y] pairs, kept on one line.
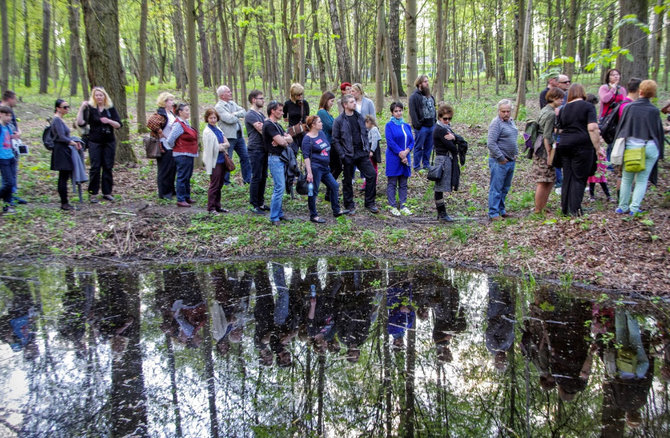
{"points": [[611, 92]]}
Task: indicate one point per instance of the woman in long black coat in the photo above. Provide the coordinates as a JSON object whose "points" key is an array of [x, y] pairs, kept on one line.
{"points": [[61, 156]]}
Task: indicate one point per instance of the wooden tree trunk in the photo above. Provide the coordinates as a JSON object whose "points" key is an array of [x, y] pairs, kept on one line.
{"points": [[666, 68], [410, 43], [501, 78], [142, 81], [521, 86], [44, 52], [73, 22], [301, 46], [379, 66], [104, 64], [518, 35], [191, 56], [341, 47], [656, 40], [178, 30], [323, 82], [440, 42], [26, 47], [570, 38], [607, 42], [633, 38], [204, 49], [4, 75], [410, 370], [394, 37]]}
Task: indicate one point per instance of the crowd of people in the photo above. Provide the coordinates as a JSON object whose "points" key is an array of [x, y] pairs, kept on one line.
{"points": [[309, 150]]}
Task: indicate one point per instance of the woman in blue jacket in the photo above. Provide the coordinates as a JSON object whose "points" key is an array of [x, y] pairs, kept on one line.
{"points": [[399, 143]]}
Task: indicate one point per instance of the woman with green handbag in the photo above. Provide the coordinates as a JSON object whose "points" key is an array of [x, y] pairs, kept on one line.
{"points": [[642, 128]]}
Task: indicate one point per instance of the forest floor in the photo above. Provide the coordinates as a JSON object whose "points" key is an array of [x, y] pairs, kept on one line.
{"points": [[602, 250]]}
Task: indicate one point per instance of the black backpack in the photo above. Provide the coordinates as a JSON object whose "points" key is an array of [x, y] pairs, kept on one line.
{"points": [[609, 123], [48, 136]]}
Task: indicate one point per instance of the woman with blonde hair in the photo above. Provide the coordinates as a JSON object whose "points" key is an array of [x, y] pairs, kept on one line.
{"points": [[101, 116], [364, 105], [160, 124], [215, 148], [296, 110]]}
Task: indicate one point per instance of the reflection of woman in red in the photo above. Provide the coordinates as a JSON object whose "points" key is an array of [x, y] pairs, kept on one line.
{"points": [[189, 320]]}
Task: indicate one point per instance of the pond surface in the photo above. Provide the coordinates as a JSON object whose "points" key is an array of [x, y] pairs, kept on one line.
{"points": [[323, 347]]}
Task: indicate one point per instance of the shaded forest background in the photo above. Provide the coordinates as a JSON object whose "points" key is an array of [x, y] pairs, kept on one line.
{"points": [[65, 46]]}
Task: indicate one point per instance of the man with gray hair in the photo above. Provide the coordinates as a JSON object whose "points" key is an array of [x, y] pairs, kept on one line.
{"points": [[230, 114], [503, 150]]}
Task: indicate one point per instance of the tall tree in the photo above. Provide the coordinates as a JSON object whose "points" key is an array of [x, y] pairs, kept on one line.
{"points": [[204, 48], [410, 43], [657, 39], [633, 38], [44, 52], [178, 30], [521, 86], [571, 37], [4, 75], [142, 80], [317, 47], [341, 47], [26, 47], [76, 60], [394, 38], [440, 42], [104, 64], [191, 55]]}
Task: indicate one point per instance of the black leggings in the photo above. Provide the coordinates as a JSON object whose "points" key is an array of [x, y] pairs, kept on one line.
{"points": [[592, 189], [63, 178]]}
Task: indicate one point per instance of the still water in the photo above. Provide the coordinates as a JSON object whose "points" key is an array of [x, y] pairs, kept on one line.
{"points": [[323, 347]]}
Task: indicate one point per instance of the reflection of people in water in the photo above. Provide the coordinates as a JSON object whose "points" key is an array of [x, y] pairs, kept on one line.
{"points": [[500, 327], [229, 310], [567, 330], [182, 305], [354, 311], [449, 319], [401, 309], [535, 346], [17, 327], [78, 302], [276, 323], [629, 370], [113, 317], [321, 314]]}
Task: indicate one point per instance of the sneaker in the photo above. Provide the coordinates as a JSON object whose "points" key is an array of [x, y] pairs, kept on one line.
{"points": [[394, 211], [445, 218], [8, 209], [18, 200], [109, 198], [406, 211], [373, 209], [619, 210], [257, 210], [68, 207], [633, 213], [183, 204], [94, 199]]}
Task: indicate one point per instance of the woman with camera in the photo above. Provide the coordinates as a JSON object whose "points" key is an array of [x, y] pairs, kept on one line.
{"points": [[101, 116]]}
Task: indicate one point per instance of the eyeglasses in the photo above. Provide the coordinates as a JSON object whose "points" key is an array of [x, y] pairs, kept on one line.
{"points": [[260, 98], [446, 119], [66, 107], [564, 82]]}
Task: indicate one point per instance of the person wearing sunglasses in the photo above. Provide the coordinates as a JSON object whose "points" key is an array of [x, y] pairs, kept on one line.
{"points": [[446, 155], [61, 156]]}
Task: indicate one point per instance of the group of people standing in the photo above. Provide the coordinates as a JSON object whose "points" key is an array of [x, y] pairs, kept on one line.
{"points": [[569, 140], [330, 146]]}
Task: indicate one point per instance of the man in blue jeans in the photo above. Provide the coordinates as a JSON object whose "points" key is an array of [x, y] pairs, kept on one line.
{"points": [[503, 150], [275, 140], [230, 114], [423, 115]]}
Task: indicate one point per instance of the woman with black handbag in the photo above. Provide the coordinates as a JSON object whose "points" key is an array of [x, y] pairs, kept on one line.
{"points": [[160, 124], [103, 119], [446, 155]]}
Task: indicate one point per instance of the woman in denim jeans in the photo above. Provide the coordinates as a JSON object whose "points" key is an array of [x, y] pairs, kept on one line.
{"points": [[641, 126], [184, 142]]}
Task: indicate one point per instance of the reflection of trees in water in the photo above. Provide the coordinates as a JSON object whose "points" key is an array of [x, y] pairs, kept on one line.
{"points": [[365, 387]]}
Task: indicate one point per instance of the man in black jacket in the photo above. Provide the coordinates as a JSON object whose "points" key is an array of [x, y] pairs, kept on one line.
{"points": [[350, 140]]}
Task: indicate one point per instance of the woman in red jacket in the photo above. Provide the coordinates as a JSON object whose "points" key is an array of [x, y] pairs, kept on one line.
{"points": [[184, 142]]}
